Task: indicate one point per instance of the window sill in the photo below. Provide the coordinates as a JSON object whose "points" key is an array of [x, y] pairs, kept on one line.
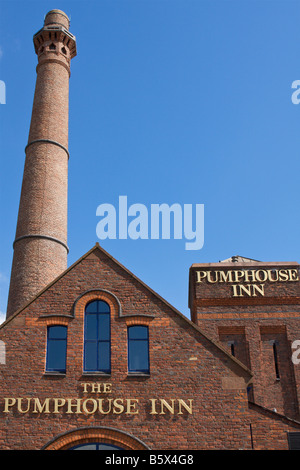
{"points": [[54, 373], [138, 374], [97, 374]]}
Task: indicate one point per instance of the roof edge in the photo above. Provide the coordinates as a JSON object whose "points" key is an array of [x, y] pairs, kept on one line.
{"points": [[17, 312], [261, 264]]}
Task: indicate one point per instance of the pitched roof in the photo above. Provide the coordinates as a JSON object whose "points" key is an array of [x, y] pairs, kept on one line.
{"points": [[177, 312], [239, 259]]}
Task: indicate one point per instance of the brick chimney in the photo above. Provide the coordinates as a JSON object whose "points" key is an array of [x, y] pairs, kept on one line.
{"points": [[40, 246]]}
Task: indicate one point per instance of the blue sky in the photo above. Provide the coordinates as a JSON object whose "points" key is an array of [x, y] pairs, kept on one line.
{"points": [[171, 101]]}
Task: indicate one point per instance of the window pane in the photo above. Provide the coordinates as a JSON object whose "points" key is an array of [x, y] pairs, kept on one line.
{"points": [[103, 326], [57, 332], [95, 446], [91, 307], [104, 356], [56, 357], [138, 356], [138, 332], [86, 447], [107, 447], [103, 307], [97, 337], [90, 356], [91, 326]]}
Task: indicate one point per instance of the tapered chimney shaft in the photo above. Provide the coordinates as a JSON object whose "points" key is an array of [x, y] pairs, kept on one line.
{"points": [[40, 246]]}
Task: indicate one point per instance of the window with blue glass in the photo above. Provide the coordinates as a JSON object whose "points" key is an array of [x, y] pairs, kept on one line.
{"points": [[96, 446], [138, 349], [97, 337], [56, 348]]}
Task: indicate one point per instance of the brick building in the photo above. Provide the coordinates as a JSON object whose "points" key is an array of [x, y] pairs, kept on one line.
{"points": [[94, 357]]}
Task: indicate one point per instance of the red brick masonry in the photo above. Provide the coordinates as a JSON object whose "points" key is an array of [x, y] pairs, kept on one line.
{"points": [[185, 364]]}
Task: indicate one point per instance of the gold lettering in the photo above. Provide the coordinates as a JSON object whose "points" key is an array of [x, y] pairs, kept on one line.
{"points": [[201, 275], [58, 403], [107, 388], [164, 403], [225, 277], [38, 408], [96, 388], [293, 275], [187, 407], [90, 406], [85, 408], [209, 276], [131, 406], [153, 406], [85, 386], [8, 403], [118, 405], [77, 405], [238, 275], [234, 288], [265, 275], [270, 272], [283, 275], [100, 402], [246, 289], [251, 274], [19, 405], [259, 289]]}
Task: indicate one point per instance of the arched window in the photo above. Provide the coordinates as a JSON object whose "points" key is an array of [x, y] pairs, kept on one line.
{"points": [[56, 348], [96, 446], [97, 337], [138, 349]]}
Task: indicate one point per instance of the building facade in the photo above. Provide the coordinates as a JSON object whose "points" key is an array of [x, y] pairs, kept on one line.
{"points": [[94, 358]]}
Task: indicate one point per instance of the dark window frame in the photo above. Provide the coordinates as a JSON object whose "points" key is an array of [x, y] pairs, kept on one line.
{"points": [[130, 342], [50, 342], [98, 341], [97, 446]]}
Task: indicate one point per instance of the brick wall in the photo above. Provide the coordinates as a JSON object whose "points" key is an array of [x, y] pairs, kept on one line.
{"points": [[254, 323], [184, 364]]}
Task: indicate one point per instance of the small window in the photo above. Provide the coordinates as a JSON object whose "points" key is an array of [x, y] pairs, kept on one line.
{"points": [[138, 349], [275, 355], [56, 349], [97, 337], [232, 349], [52, 47], [64, 50]]}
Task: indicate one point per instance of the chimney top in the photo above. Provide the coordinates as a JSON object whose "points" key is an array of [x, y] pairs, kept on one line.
{"points": [[57, 17]]}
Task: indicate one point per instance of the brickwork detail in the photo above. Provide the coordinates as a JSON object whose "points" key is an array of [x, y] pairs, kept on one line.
{"points": [[87, 435], [184, 364], [253, 324]]}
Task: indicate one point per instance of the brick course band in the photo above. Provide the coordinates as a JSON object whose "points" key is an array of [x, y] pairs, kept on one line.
{"points": [[56, 61], [48, 141], [42, 236]]}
